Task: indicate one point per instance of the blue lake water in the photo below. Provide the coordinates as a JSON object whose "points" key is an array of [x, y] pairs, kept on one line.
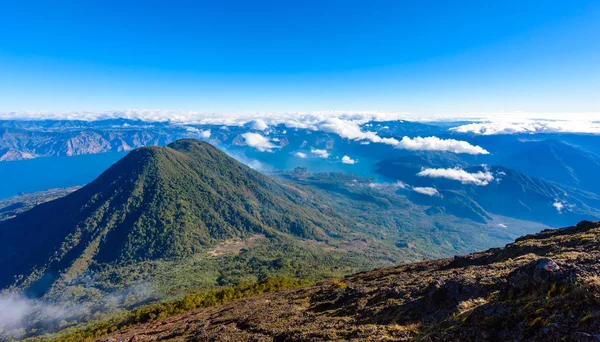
{"points": [[52, 172], [59, 172], [283, 160]]}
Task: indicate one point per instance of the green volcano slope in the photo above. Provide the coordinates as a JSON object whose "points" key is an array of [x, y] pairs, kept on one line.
{"points": [[158, 203]]}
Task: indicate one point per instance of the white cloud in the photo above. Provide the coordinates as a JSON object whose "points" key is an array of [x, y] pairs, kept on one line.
{"points": [[320, 153], [529, 127], [290, 119], [351, 130], [259, 142], [389, 186], [559, 206], [348, 160], [205, 134], [502, 225], [426, 191], [478, 178], [259, 124], [377, 185], [300, 155], [437, 144], [346, 129], [401, 185]]}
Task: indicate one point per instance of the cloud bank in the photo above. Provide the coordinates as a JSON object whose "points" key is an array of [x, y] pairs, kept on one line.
{"points": [[258, 142], [529, 127], [477, 178], [345, 124], [257, 120], [289, 118]]}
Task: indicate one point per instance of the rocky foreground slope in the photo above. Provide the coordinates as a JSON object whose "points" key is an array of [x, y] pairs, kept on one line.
{"points": [[543, 287]]}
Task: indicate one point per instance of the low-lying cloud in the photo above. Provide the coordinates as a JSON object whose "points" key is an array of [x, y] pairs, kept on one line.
{"points": [[259, 142], [389, 186], [480, 178], [400, 185], [19, 313], [16, 309]]}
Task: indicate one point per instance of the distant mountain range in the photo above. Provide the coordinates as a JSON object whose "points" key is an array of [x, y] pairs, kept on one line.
{"points": [[556, 161], [508, 192], [549, 178], [30, 139]]}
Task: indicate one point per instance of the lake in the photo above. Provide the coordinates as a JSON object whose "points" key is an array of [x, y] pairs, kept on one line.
{"points": [[60, 172], [52, 172]]}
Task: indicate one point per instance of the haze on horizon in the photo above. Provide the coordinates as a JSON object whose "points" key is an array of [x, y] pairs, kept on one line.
{"points": [[425, 58]]}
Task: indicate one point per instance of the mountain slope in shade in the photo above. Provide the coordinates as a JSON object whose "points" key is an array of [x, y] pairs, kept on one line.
{"points": [[556, 161], [156, 203], [511, 193], [542, 287], [520, 196]]}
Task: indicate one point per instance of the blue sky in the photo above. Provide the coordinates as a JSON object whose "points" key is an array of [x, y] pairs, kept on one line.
{"points": [[411, 56]]}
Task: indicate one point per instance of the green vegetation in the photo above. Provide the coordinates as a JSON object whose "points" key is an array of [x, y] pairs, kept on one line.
{"points": [[160, 310], [13, 206], [377, 211], [543, 287]]}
